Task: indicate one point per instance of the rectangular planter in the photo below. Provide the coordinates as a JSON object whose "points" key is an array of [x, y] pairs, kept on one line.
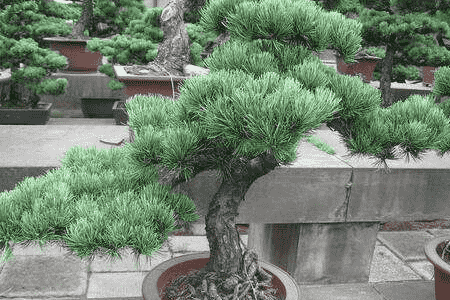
{"points": [[119, 113], [79, 58], [97, 107], [17, 116], [137, 84]]}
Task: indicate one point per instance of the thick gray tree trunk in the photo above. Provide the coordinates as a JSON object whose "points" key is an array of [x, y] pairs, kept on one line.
{"points": [[173, 52]]}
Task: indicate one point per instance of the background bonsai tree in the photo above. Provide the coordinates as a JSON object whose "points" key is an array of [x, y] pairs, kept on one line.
{"points": [[21, 23], [139, 44], [102, 18], [266, 90], [24, 24], [400, 27]]}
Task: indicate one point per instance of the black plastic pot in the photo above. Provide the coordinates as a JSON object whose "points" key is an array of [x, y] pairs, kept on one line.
{"points": [[28, 116], [97, 107]]}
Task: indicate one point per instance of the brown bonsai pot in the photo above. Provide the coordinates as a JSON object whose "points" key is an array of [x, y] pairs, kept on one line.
{"points": [[364, 66], [160, 276], [428, 75], [80, 59], [145, 84], [27, 116], [433, 250], [97, 107]]}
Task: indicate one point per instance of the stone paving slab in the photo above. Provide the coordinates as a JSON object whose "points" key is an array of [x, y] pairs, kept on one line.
{"points": [[43, 276], [412, 290], [386, 266], [359, 291], [408, 245]]}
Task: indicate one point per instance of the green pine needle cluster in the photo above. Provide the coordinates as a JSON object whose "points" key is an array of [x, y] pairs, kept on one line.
{"points": [[96, 193]]}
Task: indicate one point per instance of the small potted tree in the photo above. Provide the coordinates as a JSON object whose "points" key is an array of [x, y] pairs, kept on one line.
{"points": [[30, 65], [402, 31], [366, 61], [116, 15], [99, 19], [131, 53], [244, 119], [152, 60]]}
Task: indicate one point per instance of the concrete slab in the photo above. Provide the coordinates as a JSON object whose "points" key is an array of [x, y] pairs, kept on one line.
{"points": [[439, 232], [417, 290], [424, 269], [112, 285], [128, 262], [44, 146], [81, 121], [386, 266], [409, 245], [360, 291], [43, 276], [185, 244]]}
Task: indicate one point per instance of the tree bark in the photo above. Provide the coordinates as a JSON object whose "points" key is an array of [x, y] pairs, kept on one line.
{"points": [[223, 237], [85, 21], [385, 81], [173, 52]]}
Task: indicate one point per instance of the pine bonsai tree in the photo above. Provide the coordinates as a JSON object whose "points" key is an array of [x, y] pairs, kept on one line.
{"points": [[114, 16], [400, 26], [266, 90], [21, 24], [24, 24]]}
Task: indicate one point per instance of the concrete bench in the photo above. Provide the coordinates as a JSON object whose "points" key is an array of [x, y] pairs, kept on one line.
{"points": [[317, 219]]}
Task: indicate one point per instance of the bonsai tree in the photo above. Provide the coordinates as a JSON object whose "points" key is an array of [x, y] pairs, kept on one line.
{"points": [[266, 90], [400, 27], [20, 23], [100, 18], [24, 24], [139, 44]]}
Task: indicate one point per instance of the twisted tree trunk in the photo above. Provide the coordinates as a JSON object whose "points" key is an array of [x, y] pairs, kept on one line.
{"points": [[85, 21], [385, 80], [232, 269], [173, 52]]}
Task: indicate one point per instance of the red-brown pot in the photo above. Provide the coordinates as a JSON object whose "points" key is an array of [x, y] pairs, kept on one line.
{"points": [[144, 84], [433, 251], [165, 272], [364, 66], [79, 58], [428, 75]]}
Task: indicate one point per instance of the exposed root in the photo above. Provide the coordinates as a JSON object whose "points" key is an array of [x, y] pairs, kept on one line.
{"points": [[253, 283]]}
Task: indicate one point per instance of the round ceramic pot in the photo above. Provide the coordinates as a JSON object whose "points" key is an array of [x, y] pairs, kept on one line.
{"points": [[160, 276], [433, 251]]}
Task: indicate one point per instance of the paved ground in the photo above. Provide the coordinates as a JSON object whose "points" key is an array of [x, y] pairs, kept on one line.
{"points": [[399, 271]]}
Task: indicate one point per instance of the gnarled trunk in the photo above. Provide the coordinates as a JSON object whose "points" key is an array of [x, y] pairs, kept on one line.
{"points": [[85, 21], [173, 52], [385, 81], [224, 243]]}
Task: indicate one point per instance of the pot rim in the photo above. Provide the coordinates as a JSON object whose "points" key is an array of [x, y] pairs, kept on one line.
{"points": [[432, 255], [292, 288]]}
